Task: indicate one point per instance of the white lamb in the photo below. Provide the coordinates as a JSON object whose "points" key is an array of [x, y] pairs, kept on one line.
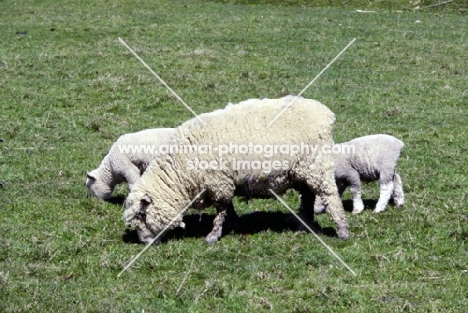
{"points": [[126, 161], [173, 180], [368, 158]]}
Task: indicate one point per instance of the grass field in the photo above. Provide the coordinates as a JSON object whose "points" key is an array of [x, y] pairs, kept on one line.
{"points": [[69, 88]]}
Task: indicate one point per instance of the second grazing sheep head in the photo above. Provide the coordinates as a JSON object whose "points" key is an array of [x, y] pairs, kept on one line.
{"points": [[97, 187]]}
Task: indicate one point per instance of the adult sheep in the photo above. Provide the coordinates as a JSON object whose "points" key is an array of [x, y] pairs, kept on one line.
{"points": [[368, 158], [127, 159], [171, 181]]}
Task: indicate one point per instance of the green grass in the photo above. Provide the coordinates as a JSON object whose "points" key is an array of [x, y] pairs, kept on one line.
{"points": [[70, 88], [394, 5]]}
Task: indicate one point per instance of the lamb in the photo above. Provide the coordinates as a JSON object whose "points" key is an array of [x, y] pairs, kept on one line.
{"points": [[172, 181], [368, 158], [127, 159]]}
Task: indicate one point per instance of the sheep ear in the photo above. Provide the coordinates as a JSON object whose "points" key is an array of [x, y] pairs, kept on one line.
{"points": [[91, 176], [146, 200]]}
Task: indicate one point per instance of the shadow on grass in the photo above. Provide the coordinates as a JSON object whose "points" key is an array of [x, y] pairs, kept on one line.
{"points": [[249, 224], [118, 200], [252, 223], [369, 204], [347, 205]]}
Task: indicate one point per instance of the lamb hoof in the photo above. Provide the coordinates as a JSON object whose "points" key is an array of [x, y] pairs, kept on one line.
{"points": [[358, 207], [377, 211], [211, 239], [343, 233]]}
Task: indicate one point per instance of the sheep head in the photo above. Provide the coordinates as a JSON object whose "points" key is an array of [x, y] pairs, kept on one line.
{"points": [[150, 215], [97, 187]]}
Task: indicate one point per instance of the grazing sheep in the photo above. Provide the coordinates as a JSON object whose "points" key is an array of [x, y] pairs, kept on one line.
{"points": [[127, 160], [172, 180], [368, 158]]}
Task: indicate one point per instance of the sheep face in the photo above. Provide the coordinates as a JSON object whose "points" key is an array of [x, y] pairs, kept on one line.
{"points": [[149, 217], [135, 217], [97, 187]]}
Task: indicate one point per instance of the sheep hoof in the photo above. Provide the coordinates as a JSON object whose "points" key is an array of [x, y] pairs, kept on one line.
{"points": [[356, 212], [320, 209], [377, 211], [211, 239], [343, 233], [148, 241]]}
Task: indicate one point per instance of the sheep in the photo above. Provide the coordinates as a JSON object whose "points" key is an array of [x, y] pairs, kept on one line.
{"points": [[172, 180], [368, 158], [127, 159]]}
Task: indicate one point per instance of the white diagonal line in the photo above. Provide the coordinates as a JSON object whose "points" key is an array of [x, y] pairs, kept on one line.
{"points": [[316, 236], [161, 232], [313, 80], [185, 277], [162, 81]]}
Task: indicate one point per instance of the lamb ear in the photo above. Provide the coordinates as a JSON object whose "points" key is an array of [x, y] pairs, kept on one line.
{"points": [[91, 176], [146, 200]]}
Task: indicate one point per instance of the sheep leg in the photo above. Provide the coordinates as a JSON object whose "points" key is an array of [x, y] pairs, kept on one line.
{"points": [[225, 211], [319, 207], [358, 205], [356, 193], [386, 190], [326, 189], [398, 195], [335, 208], [217, 230]]}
